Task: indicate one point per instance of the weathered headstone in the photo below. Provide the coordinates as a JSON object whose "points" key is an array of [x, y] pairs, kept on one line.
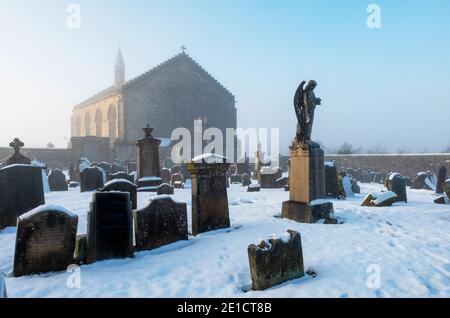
{"points": [[80, 253], [45, 240], [166, 175], [209, 193], [91, 179], [268, 177], [331, 180], [21, 190], [162, 222], [122, 185], [235, 179], [282, 182], [121, 175], [110, 227], [380, 199], [442, 176], [147, 155], [276, 261], [106, 167], [254, 188], [419, 181], [246, 180], [176, 177], [149, 184], [176, 169], [165, 188], [17, 157], [396, 184], [57, 181], [447, 188]]}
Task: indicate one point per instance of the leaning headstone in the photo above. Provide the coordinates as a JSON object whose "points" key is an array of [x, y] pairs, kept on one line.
{"points": [[121, 175], [419, 181], [441, 200], [110, 227], [166, 176], [165, 188], [162, 222], [396, 184], [276, 261], [122, 185], [3, 293], [57, 181], [331, 180], [380, 199], [45, 240], [254, 188], [447, 188], [21, 190], [91, 179], [209, 193], [442, 176]]}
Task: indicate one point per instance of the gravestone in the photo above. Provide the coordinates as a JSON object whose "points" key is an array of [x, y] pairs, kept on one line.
{"points": [[276, 261], [122, 185], [106, 167], [147, 155], [176, 169], [3, 293], [331, 180], [380, 199], [447, 188], [442, 176], [80, 253], [209, 193], [254, 188], [149, 184], [282, 182], [57, 181], [165, 188], [110, 227], [17, 157], [21, 190], [91, 179], [408, 181], [176, 177], [162, 222], [378, 178], [45, 240], [268, 177], [121, 175], [419, 181], [131, 166], [246, 180], [355, 187], [442, 199], [396, 184], [242, 166], [235, 179], [166, 176]]}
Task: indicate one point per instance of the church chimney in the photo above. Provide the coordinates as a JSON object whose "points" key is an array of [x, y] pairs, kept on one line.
{"points": [[119, 74]]}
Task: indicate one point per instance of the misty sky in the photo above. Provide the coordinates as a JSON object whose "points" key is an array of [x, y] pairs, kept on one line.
{"points": [[387, 87]]}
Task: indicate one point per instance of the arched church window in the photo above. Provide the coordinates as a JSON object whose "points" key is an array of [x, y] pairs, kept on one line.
{"points": [[112, 120], [98, 123], [87, 124]]}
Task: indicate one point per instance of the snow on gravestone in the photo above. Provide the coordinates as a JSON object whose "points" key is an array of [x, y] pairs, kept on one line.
{"points": [[121, 175], [162, 221], [166, 175], [110, 227], [396, 184], [45, 240], [380, 199], [91, 179], [21, 190], [122, 185], [276, 261], [57, 181], [165, 188]]}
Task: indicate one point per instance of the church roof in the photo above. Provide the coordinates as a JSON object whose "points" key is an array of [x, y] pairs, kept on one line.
{"points": [[151, 73]]}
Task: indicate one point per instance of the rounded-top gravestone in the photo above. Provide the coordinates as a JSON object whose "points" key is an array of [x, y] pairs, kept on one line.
{"points": [[396, 184], [57, 181], [122, 185]]}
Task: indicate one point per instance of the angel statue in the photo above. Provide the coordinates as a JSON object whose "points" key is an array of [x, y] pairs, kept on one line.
{"points": [[305, 102]]}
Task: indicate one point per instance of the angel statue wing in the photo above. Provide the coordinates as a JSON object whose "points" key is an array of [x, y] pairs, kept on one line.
{"points": [[300, 111]]}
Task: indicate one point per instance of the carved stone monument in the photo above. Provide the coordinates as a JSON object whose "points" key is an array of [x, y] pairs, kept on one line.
{"points": [[57, 181], [17, 157], [147, 155], [209, 194], [307, 170], [45, 240], [91, 179]]}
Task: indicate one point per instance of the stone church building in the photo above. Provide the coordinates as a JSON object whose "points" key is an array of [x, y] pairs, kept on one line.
{"points": [[171, 95]]}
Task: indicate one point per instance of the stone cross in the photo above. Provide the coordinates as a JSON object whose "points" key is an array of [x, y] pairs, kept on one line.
{"points": [[183, 48], [16, 144]]}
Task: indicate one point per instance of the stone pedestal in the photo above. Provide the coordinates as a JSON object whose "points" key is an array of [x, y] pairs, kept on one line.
{"points": [[209, 196], [147, 155], [307, 187]]}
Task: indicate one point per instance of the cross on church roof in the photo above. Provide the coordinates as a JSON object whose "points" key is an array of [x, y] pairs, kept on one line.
{"points": [[183, 48], [16, 144]]}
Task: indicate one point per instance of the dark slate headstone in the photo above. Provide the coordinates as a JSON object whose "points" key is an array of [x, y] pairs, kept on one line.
{"points": [[107, 168], [396, 184], [408, 181], [73, 184], [45, 240], [57, 181], [162, 222], [21, 190], [276, 261], [122, 185], [176, 169], [121, 175], [254, 188], [165, 188], [441, 200], [235, 179], [91, 179], [178, 185], [80, 253], [176, 177], [246, 180], [268, 177], [442, 176], [166, 176], [282, 182], [419, 181], [331, 180], [110, 227], [378, 178], [355, 187], [447, 188], [131, 166], [149, 184]]}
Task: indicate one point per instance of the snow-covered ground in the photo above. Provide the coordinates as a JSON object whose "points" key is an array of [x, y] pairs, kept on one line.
{"points": [[406, 246]]}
